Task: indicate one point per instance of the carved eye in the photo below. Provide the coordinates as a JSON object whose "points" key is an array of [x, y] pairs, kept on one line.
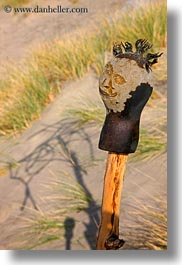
{"points": [[118, 79]]}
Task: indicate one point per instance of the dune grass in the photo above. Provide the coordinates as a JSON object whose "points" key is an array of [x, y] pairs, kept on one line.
{"points": [[66, 197], [28, 88], [14, 3], [148, 21], [150, 145], [148, 229], [88, 113], [26, 105]]}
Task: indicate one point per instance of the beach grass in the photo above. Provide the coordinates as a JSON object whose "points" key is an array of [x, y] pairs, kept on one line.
{"points": [[66, 198], [14, 3], [148, 229]]}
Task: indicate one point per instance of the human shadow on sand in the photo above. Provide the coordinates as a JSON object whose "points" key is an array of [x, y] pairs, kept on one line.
{"points": [[60, 147], [69, 225]]}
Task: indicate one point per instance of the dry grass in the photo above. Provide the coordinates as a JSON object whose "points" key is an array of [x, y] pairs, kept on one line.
{"points": [[29, 88], [153, 133], [20, 108], [67, 197], [14, 3], [89, 112], [147, 20], [38, 230], [148, 229], [68, 192]]}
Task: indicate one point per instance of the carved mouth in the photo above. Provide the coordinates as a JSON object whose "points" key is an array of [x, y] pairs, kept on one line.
{"points": [[109, 95]]}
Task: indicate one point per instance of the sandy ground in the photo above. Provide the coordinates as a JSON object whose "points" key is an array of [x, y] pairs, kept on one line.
{"points": [[39, 150], [21, 33]]}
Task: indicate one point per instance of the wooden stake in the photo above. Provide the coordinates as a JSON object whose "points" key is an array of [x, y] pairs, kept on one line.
{"points": [[108, 236]]}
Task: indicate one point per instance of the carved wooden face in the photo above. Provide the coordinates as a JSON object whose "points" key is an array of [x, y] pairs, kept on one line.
{"points": [[125, 87], [119, 78]]}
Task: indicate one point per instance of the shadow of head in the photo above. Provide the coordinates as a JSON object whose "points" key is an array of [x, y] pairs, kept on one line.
{"points": [[69, 225]]}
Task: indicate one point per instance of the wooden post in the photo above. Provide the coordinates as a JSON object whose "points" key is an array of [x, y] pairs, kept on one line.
{"points": [[108, 236], [125, 88]]}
